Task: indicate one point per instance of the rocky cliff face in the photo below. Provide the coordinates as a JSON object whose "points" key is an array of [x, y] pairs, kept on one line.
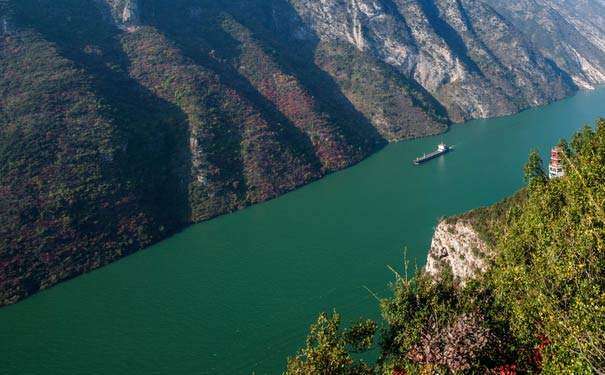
{"points": [[465, 244], [6, 26], [456, 247], [471, 59], [6, 18], [124, 13], [570, 33]]}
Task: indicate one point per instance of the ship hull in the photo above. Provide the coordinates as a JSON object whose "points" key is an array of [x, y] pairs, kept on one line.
{"points": [[432, 155]]}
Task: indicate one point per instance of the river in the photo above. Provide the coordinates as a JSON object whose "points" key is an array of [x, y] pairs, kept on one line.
{"points": [[237, 294]]}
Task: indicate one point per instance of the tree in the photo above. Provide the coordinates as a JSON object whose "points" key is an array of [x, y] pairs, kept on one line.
{"points": [[328, 350], [534, 170]]}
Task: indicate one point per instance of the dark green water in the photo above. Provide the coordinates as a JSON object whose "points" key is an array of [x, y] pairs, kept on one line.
{"points": [[237, 294]]}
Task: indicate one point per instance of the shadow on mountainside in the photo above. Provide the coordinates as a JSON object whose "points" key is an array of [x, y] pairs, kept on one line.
{"points": [[199, 34], [198, 39], [155, 130], [116, 170], [297, 57]]}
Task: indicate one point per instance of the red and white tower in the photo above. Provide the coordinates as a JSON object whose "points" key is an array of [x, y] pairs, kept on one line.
{"points": [[555, 169]]}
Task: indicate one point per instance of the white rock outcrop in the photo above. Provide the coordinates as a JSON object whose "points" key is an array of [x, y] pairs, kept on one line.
{"points": [[456, 246], [130, 13], [6, 26], [125, 14]]}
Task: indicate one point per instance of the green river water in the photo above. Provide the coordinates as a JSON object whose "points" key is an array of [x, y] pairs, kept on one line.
{"points": [[238, 293]]}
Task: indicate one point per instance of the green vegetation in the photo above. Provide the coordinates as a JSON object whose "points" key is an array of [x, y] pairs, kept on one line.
{"points": [[77, 179], [551, 265], [541, 306], [376, 89], [489, 222], [329, 349]]}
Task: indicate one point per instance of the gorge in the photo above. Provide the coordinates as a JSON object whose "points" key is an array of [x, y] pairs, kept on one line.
{"points": [[125, 120], [236, 294], [122, 122]]}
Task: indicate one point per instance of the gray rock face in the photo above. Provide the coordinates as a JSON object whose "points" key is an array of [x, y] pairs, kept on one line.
{"points": [[570, 33], [6, 18], [130, 13], [478, 58], [456, 247], [125, 13], [468, 56], [6, 27]]}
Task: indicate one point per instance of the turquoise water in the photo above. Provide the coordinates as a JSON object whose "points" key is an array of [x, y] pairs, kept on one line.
{"points": [[237, 294]]}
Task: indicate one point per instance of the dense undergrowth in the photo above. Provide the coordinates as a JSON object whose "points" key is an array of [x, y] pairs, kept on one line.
{"points": [[539, 309]]}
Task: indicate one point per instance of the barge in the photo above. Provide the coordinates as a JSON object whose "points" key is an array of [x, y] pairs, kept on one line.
{"points": [[441, 149]]}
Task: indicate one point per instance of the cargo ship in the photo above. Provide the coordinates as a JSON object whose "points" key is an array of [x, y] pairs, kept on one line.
{"points": [[441, 149]]}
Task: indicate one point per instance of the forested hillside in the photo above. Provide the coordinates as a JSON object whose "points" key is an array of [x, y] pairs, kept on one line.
{"points": [[538, 309]]}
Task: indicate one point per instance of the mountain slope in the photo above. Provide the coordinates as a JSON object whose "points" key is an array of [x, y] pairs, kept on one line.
{"points": [[76, 178], [569, 33], [465, 54]]}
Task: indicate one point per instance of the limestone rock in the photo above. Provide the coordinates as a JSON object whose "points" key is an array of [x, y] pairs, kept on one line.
{"points": [[570, 33], [471, 59], [130, 13], [456, 246], [124, 13], [6, 25]]}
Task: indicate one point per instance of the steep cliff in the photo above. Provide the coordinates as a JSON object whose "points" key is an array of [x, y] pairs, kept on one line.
{"points": [[472, 60], [122, 121], [457, 248], [570, 33], [465, 245]]}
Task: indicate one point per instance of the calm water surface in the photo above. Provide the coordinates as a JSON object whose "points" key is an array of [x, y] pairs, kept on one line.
{"points": [[237, 294]]}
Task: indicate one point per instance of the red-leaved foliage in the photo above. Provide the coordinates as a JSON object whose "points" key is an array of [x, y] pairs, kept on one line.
{"points": [[535, 357], [505, 370]]}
